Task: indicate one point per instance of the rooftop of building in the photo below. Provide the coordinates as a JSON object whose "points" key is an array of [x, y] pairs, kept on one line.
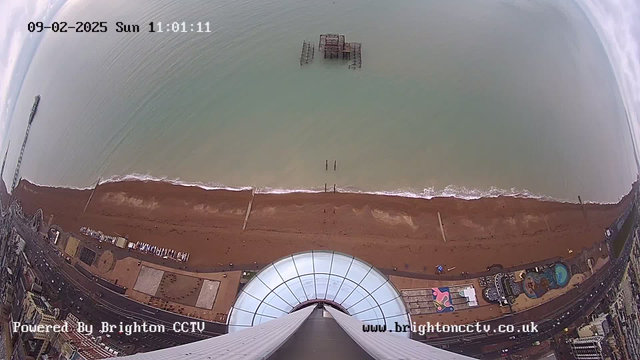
{"points": [[40, 303], [87, 347]]}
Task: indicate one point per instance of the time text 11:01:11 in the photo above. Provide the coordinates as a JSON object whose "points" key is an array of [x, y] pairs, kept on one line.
{"points": [[201, 27]]}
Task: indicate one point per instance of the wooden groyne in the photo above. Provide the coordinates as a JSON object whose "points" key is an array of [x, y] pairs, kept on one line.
{"points": [[246, 217]]}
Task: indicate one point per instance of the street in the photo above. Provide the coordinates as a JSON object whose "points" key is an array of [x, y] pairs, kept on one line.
{"points": [[551, 317], [63, 284]]}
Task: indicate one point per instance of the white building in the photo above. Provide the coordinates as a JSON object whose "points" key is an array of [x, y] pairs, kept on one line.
{"points": [[598, 326], [587, 348]]}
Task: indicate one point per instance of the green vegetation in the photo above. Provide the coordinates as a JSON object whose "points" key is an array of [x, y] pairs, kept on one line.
{"points": [[619, 241]]}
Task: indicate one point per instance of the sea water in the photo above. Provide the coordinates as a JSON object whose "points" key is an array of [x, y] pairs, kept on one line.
{"points": [[469, 99]]}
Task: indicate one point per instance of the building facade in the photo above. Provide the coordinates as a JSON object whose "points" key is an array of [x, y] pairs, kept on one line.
{"points": [[588, 348], [36, 312]]}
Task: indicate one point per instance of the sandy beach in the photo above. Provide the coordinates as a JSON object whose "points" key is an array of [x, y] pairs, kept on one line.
{"points": [[385, 231]]}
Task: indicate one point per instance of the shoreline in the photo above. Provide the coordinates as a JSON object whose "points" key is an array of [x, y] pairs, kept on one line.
{"points": [[386, 231], [449, 191]]}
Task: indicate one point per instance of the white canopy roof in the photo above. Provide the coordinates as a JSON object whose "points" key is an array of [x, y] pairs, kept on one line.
{"points": [[342, 280]]}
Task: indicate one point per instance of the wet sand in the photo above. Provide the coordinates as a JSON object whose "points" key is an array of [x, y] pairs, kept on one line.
{"points": [[386, 231]]}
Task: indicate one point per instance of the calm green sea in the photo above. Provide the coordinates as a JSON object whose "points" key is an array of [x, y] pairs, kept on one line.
{"points": [[470, 98]]}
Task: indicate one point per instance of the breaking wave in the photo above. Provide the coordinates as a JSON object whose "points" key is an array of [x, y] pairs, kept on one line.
{"points": [[147, 177], [451, 191]]}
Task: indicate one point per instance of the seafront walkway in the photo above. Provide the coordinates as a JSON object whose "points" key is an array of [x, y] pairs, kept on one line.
{"points": [[127, 265], [220, 267], [126, 269]]}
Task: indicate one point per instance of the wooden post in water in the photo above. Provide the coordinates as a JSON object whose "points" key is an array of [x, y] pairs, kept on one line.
{"points": [[584, 212], [326, 164], [325, 187], [335, 164], [334, 188]]}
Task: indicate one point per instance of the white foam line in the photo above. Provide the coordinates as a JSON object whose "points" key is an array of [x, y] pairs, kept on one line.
{"points": [[58, 186], [451, 191], [147, 177]]}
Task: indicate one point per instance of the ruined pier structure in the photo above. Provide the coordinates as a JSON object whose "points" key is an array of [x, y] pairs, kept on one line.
{"points": [[334, 46], [308, 51]]}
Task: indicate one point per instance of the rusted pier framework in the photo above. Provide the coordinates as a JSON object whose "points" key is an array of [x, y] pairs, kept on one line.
{"points": [[308, 51], [356, 56], [334, 46]]}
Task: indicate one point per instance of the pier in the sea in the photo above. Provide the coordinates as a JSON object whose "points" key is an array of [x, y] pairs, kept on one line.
{"points": [[334, 46], [34, 108], [308, 51], [356, 56]]}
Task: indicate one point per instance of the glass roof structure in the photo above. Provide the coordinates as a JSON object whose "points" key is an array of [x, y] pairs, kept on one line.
{"points": [[343, 281]]}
